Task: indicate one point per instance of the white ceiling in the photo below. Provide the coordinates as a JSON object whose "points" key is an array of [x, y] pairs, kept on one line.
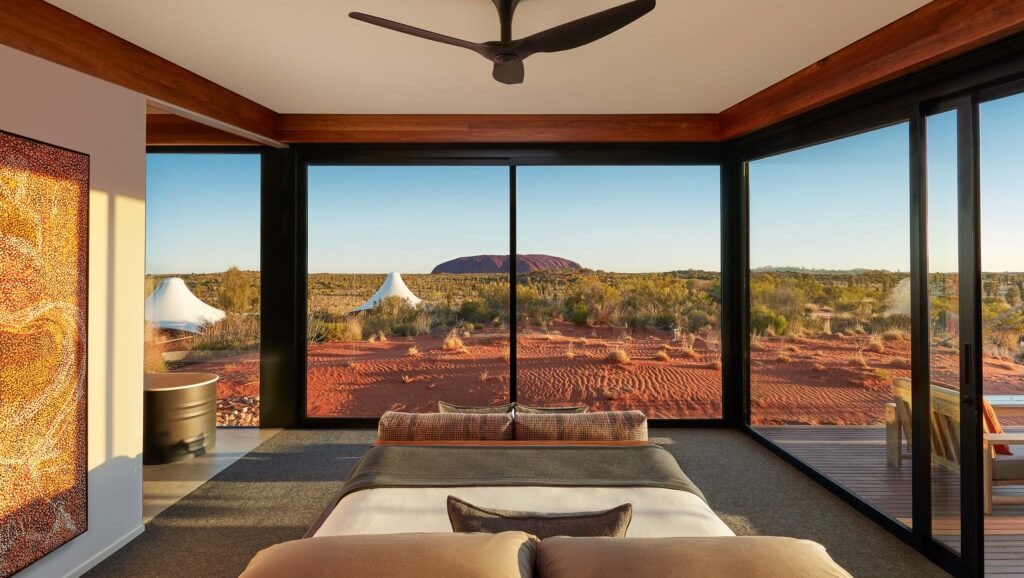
{"points": [[307, 56]]}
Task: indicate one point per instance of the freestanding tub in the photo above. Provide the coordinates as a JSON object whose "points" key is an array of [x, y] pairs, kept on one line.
{"points": [[179, 416]]}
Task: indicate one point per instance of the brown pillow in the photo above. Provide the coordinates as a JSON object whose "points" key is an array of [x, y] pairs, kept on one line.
{"points": [[398, 426], [594, 426], [521, 408], [445, 407], [466, 517], [506, 555], [720, 557]]}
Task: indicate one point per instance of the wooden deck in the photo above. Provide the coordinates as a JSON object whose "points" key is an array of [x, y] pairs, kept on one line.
{"points": [[854, 456]]}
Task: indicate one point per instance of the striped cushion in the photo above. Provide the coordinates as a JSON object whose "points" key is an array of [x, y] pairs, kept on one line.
{"points": [[398, 426], [596, 426], [445, 407]]}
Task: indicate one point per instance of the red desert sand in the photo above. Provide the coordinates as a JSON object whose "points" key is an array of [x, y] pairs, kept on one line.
{"points": [[824, 380]]}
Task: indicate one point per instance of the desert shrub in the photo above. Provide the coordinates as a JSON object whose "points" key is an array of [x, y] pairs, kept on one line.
{"points": [[413, 351], [235, 292], [881, 374], [820, 367], [895, 335], [347, 330], [618, 356], [764, 321], [485, 375], [697, 319], [579, 315], [395, 316], [452, 342], [474, 311], [783, 358], [235, 331], [661, 355]]}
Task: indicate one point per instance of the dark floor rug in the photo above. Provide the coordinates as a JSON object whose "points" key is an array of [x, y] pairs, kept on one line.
{"points": [[277, 491]]}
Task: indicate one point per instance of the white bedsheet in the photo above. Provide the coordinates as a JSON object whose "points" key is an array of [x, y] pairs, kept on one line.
{"points": [[657, 512]]}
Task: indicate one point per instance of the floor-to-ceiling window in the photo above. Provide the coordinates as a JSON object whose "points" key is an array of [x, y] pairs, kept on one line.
{"points": [[1001, 125], [408, 288], [203, 274], [830, 310], [630, 317], [617, 299]]}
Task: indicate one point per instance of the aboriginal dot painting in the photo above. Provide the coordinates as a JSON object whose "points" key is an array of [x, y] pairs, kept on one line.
{"points": [[44, 244]]}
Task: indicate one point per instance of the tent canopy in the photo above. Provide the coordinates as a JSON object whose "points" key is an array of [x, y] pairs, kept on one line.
{"points": [[173, 306], [393, 286]]}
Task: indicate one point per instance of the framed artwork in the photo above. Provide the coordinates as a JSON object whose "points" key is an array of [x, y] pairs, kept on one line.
{"points": [[44, 251]]}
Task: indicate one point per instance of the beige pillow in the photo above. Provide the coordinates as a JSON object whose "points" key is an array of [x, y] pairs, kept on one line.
{"points": [[445, 407], [593, 426], [721, 557], [466, 517], [521, 408], [408, 427], [505, 555]]}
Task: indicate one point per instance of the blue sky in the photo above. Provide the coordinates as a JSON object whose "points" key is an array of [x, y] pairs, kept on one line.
{"points": [[838, 205]]}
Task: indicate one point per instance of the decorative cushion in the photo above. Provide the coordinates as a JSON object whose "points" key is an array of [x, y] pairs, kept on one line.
{"points": [[720, 557], [398, 426], [1008, 467], [522, 408], [466, 517], [445, 407], [505, 555], [593, 426], [992, 425]]}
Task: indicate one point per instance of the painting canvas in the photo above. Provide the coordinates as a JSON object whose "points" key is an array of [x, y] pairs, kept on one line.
{"points": [[44, 244]]}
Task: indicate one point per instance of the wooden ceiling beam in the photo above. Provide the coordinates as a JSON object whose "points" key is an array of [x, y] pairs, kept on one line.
{"points": [[46, 31], [164, 129], [497, 128], [937, 31]]}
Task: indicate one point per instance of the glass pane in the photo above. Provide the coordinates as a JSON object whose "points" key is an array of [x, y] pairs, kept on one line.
{"points": [[618, 304], [944, 327], [1002, 265], [830, 304], [203, 274], [408, 289]]}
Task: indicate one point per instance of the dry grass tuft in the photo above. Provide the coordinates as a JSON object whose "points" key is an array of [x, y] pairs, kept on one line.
{"points": [[791, 349], [715, 365], [618, 356], [688, 352], [783, 358], [407, 379], [485, 375], [859, 361], [452, 342], [820, 367], [413, 351], [895, 335], [506, 354], [661, 356], [875, 345], [881, 374]]}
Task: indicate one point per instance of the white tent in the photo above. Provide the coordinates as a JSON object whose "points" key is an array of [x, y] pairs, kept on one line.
{"points": [[173, 306], [393, 286]]}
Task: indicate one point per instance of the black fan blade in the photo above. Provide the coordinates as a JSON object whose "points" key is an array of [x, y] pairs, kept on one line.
{"points": [[509, 71], [481, 49], [583, 31]]}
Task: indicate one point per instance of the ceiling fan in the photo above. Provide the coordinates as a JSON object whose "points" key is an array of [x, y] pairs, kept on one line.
{"points": [[508, 54]]}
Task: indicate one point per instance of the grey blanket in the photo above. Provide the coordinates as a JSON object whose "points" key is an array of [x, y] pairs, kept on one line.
{"points": [[395, 466]]}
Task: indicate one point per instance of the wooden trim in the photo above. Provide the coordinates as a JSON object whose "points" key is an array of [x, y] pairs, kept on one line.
{"points": [[479, 129], [163, 129], [43, 30], [931, 34]]}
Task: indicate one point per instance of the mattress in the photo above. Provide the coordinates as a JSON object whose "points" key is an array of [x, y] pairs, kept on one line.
{"points": [[401, 489]]}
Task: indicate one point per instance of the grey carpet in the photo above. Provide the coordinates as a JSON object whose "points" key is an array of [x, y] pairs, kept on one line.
{"points": [[277, 491]]}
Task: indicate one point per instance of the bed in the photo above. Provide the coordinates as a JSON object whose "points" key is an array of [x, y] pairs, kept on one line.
{"points": [[397, 488]]}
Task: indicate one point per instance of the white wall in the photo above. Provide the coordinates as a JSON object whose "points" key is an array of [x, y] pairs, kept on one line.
{"points": [[57, 105]]}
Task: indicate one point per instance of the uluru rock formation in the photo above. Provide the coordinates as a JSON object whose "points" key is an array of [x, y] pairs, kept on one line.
{"points": [[500, 264]]}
